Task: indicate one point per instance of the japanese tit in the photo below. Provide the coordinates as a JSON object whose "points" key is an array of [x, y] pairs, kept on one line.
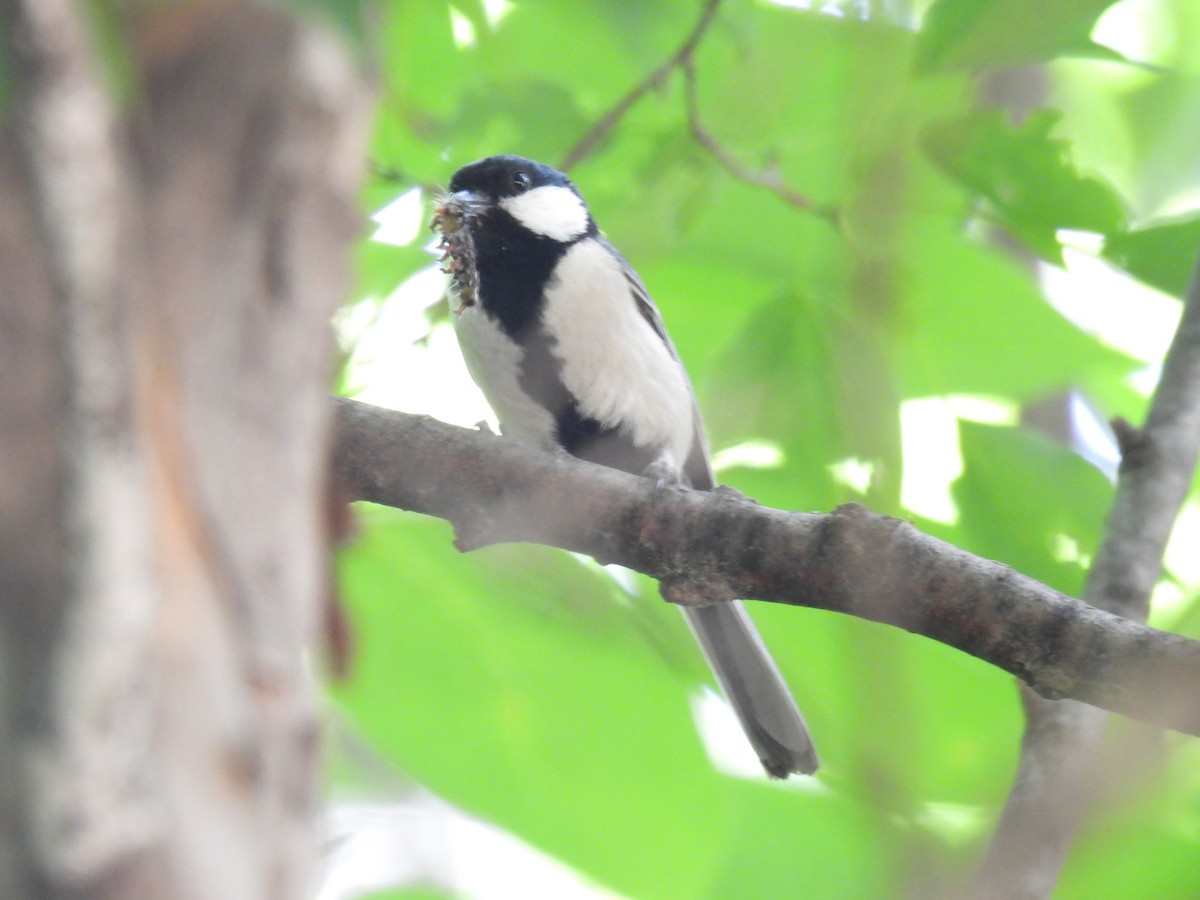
{"points": [[562, 337]]}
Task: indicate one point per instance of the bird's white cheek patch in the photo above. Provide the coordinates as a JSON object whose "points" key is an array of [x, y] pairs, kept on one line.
{"points": [[553, 211]]}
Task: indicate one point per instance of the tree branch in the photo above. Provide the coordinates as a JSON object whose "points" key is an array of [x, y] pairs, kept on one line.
{"points": [[598, 132], [851, 561], [684, 59], [1156, 473], [1057, 775], [767, 178]]}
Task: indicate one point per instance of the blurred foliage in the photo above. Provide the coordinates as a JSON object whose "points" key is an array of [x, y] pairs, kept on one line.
{"points": [[535, 691], [1159, 254], [989, 33], [1026, 178]]}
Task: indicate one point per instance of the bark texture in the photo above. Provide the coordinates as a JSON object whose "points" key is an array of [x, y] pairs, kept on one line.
{"points": [[719, 543], [1063, 772], [168, 266]]}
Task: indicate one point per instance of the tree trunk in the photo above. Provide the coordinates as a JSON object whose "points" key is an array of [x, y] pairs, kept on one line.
{"points": [[167, 271]]}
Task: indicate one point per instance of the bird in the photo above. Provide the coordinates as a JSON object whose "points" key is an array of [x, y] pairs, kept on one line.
{"points": [[562, 337]]}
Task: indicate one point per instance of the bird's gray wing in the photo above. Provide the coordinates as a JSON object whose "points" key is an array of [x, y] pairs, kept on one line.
{"points": [[697, 468]]}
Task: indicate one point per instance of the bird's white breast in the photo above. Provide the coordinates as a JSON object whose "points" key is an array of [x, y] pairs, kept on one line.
{"points": [[494, 362], [619, 370]]}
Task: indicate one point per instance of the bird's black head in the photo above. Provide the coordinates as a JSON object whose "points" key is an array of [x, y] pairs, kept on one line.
{"points": [[499, 177], [501, 192], [505, 224]]}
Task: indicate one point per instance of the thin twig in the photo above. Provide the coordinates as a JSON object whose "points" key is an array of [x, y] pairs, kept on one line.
{"points": [[1057, 777], [767, 178], [684, 60], [598, 132]]}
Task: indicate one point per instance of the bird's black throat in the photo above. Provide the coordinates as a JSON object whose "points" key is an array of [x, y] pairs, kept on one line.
{"points": [[513, 267]]}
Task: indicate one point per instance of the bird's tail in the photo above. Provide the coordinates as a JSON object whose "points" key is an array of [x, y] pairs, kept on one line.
{"points": [[753, 685]]}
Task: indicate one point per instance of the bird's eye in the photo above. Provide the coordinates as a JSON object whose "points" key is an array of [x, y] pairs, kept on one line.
{"points": [[521, 182]]}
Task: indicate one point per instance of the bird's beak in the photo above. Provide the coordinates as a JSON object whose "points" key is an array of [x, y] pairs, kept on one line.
{"points": [[466, 203]]}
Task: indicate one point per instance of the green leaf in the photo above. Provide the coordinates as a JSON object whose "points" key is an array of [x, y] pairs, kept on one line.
{"points": [[471, 678], [1164, 255], [781, 381], [1147, 847], [1025, 177], [532, 114], [956, 718], [809, 334], [1024, 501], [523, 687], [410, 893], [1163, 115], [520, 86], [381, 268], [979, 34], [977, 324]]}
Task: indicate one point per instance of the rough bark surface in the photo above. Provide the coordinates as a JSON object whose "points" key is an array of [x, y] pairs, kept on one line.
{"points": [[167, 272], [851, 561], [1062, 772]]}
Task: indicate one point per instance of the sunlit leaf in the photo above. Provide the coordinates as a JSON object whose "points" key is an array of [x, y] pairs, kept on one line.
{"points": [[994, 33], [1025, 177], [979, 325], [1030, 504], [1163, 255], [512, 682], [524, 686]]}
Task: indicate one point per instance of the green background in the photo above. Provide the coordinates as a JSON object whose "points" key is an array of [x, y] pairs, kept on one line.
{"points": [[531, 689]]}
